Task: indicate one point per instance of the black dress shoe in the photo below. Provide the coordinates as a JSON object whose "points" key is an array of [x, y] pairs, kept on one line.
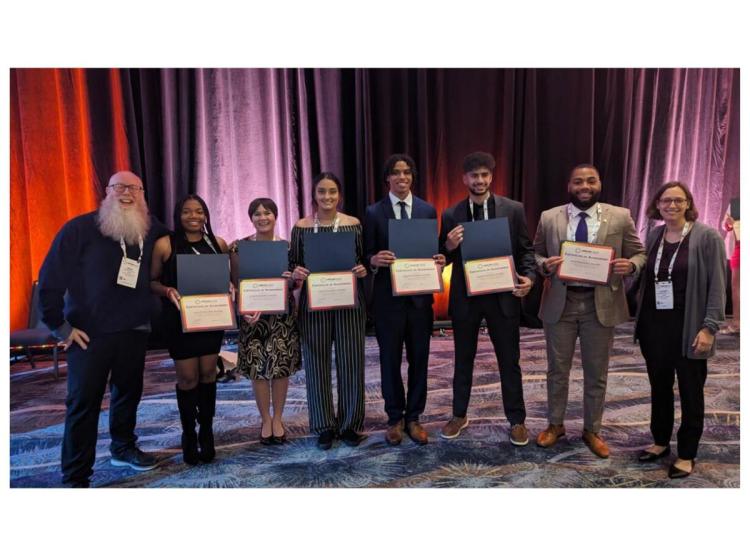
{"points": [[352, 438], [325, 440], [677, 473], [279, 439], [645, 456]]}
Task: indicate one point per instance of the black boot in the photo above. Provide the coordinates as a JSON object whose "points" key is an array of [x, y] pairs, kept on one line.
{"points": [[206, 410], [187, 402]]}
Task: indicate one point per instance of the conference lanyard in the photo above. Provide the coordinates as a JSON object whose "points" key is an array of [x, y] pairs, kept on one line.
{"points": [[125, 253], [685, 229], [316, 223], [485, 208], [208, 241]]}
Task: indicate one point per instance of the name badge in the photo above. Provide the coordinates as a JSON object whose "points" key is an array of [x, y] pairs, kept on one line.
{"points": [[128, 275], [664, 295]]}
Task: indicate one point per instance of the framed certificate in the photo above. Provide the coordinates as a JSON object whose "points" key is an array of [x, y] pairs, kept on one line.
{"points": [[492, 275], [585, 262], [267, 295], [415, 276], [201, 313], [331, 290]]}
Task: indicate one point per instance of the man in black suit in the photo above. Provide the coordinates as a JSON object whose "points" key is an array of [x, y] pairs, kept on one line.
{"points": [[501, 311], [399, 320]]}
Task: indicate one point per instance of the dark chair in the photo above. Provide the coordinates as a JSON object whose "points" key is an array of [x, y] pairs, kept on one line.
{"points": [[37, 335]]}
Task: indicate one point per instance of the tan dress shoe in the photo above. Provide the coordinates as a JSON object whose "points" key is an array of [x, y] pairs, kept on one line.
{"points": [[454, 427], [394, 434], [417, 433], [596, 444], [548, 437]]}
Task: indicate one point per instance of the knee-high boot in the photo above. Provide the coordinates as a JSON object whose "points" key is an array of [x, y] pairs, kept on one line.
{"points": [[187, 403], [206, 410]]}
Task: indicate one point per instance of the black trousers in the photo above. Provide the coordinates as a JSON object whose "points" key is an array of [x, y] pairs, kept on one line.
{"points": [[505, 338], [118, 358], [411, 326], [661, 345]]}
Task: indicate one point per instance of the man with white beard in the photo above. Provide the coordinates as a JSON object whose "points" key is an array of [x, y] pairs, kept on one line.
{"points": [[102, 260]]}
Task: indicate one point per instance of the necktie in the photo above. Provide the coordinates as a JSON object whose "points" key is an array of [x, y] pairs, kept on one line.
{"points": [[478, 211], [404, 216], [582, 231]]}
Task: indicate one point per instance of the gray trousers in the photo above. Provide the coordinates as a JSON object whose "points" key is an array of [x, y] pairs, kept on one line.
{"points": [[578, 321]]}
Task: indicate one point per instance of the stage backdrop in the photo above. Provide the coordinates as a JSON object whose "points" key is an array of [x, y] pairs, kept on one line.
{"points": [[231, 135]]}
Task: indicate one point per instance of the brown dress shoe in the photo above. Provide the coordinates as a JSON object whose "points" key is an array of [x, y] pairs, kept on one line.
{"points": [[549, 436], [519, 436], [596, 444], [454, 427], [394, 434], [416, 432]]}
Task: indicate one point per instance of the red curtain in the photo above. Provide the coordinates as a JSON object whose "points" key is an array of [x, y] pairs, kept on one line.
{"points": [[52, 177]]}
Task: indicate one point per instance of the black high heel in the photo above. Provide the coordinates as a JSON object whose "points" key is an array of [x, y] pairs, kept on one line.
{"points": [[677, 473], [645, 456]]}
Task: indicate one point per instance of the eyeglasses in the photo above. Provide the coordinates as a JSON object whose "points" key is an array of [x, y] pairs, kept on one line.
{"points": [[122, 187], [668, 202]]}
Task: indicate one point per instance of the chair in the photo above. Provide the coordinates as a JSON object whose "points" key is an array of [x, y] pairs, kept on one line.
{"points": [[37, 335]]}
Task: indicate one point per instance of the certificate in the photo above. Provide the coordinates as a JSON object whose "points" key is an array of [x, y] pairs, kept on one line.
{"points": [[415, 276], [585, 262], [496, 274], [736, 228], [267, 295], [331, 290], [201, 313]]}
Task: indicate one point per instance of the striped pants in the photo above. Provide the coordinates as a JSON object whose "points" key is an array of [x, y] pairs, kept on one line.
{"points": [[319, 331]]}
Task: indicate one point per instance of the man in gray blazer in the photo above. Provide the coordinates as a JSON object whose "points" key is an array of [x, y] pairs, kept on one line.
{"points": [[571, 310]]}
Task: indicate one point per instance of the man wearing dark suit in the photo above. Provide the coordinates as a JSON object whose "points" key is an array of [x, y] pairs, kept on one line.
{"points": [[501, 311], [571, 310], [399, 320]]}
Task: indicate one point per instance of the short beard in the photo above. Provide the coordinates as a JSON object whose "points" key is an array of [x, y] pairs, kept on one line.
{"points": [[584, 205], [116, 223]]}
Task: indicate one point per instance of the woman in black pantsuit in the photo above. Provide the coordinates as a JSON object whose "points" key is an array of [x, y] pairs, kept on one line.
{"points": [[320, 330], [680, 306]]}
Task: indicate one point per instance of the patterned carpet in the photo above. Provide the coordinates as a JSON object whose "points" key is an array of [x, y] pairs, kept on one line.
{"points": [[481, 457]]}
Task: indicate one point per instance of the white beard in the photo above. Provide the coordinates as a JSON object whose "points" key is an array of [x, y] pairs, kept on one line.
{"points": [[116, 223]]}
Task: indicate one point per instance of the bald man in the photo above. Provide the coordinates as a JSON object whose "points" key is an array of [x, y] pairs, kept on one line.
{"points": [[101, 259]]}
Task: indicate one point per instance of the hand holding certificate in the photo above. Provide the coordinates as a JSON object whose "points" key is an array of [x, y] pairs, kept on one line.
{"points": [[488, 257], [585, 262], [414, 244], [262, 289], [330, 260], [203, 283], [492, 275]]}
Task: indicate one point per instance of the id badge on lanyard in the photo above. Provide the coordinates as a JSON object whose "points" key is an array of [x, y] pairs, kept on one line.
{"points": [[129, 269], [664, 295]]}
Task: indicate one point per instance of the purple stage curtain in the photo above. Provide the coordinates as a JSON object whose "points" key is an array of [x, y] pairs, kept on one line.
{"points": [[234, 134]]}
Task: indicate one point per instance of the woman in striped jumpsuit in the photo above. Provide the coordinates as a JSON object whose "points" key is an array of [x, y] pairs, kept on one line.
{"points": [[321, 330]]}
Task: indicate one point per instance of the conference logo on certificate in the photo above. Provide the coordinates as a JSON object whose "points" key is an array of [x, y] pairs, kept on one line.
{"points": [[585, 262], [201, 313], [265, 295], [415, 277], [331, 290], [492, 275]]}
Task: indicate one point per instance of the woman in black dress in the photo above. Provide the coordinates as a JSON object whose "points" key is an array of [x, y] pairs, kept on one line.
{"points": [[268, 351], [194, 353], [680, 307]]}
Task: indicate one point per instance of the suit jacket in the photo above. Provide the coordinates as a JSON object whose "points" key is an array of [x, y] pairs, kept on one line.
{"points": [[616, 230], [523, 254], [376, 239]]}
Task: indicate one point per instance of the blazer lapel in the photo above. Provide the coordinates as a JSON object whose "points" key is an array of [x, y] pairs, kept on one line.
{"points": [[561, 227], [388, 208], [603, 225]]}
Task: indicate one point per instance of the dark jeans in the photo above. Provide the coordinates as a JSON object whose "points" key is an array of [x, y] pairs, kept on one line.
{"points": [[661, 347], [122, 354], [411, 326], [505, 339]]}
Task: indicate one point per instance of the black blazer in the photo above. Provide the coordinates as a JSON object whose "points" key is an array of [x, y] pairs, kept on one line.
{"points": [[376, 239], [523, 254]]}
